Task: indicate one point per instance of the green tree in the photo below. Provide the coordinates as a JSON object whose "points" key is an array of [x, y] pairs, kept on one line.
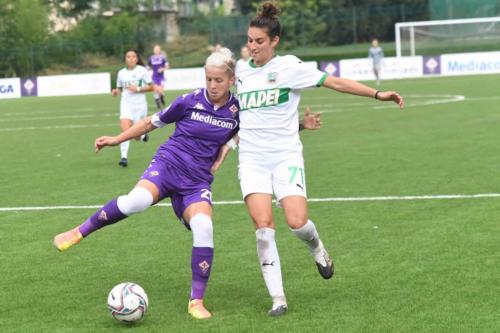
{"points": [[25, 26], [4, 67], [111, 35], [302, 22], [121, 33]]}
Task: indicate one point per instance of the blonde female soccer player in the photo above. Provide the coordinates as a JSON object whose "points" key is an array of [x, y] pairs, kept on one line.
{"points": [[270, 150], [132, 83], [204, 120]]}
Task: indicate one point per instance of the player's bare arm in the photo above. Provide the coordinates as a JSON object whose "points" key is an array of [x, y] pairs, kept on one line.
{"points": [[141, 127], [116, 91], [225, 149], [357, 88]]}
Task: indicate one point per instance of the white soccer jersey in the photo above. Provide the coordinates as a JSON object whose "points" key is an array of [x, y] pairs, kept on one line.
{"points": [[138, 76], [269, 97], [376, 54]]}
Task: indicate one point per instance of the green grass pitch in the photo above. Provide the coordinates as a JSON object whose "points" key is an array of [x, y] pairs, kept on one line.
{"points": [[402, 265]]}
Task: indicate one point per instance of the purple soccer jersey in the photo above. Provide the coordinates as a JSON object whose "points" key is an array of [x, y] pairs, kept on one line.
{"points": [[156, 62], [181, 166]]}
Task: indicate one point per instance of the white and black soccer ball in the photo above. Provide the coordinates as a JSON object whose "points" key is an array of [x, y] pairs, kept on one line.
{"points": [[127, 302]]}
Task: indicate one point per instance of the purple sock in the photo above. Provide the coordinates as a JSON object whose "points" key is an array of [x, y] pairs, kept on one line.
{"points": [[106, 215], [201, 265]]}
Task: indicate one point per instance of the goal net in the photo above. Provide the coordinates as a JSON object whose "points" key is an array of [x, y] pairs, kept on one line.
{"points": [[447, 36]]}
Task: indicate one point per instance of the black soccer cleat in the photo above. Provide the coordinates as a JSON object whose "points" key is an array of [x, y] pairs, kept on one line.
{"points": [[158, 104], [326, 267], [123, 162], [278, 311], [145, 138]]}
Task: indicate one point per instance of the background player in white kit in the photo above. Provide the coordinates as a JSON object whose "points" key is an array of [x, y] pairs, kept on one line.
{"points": [[132, 82], [377, 55], [245, 56], [270, 151]]}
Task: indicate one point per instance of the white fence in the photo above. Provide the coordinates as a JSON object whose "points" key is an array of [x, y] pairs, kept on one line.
{"points": [[57, 85], [10, 88], [414, 67], [392, 68], [77, 84]]}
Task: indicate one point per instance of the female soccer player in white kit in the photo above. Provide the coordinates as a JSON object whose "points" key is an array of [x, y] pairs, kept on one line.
{"points": [[270, 150], [133, 82]]}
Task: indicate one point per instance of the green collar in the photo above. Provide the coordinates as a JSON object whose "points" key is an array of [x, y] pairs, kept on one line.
{"points": [[253, 65]]}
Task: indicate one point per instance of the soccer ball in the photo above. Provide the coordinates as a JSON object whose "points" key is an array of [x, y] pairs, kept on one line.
{"points": [[127, 302]]}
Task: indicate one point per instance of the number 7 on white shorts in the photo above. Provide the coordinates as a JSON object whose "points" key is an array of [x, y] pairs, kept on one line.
{"points": [[294, 173]]}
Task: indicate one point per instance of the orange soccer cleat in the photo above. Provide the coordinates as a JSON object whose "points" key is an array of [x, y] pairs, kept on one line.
{"points": [[197, 309], [67, 239]]}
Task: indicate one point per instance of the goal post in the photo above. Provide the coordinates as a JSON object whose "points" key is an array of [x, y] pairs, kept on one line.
{"points": [[413, 38]]}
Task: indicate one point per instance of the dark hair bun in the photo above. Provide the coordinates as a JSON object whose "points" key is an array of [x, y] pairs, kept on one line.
{"points": [[269, 10], [267, 19]]}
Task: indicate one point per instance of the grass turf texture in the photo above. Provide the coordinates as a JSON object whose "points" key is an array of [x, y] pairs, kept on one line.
{"points": [[405, 266]]}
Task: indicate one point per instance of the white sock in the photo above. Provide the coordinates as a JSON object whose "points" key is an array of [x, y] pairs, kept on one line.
{"points": [[270, 264], [309, 235], [201, 226], [124, 148], [138, 200]]}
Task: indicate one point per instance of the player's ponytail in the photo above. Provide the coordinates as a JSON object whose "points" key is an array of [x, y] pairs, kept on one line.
{"points": [[267, 17], [222, 58]]}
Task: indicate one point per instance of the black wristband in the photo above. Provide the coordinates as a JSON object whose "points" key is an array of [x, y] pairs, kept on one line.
{"points": [[376, 94], [301, 127]]}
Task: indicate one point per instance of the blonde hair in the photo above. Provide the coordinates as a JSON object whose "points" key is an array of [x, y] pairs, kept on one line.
{"points": [[222, 58]]}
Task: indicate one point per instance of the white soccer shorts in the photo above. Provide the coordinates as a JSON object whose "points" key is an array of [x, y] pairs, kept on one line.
{"points": [[283, 177], [134, 112]]}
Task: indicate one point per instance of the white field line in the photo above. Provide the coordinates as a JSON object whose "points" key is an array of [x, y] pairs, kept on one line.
{"points": [[76, 116], [30, 111], [56, 127], [430, 99], [490, 98], [433, 100], [366, 104], [356, 101], [240, 202]]}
